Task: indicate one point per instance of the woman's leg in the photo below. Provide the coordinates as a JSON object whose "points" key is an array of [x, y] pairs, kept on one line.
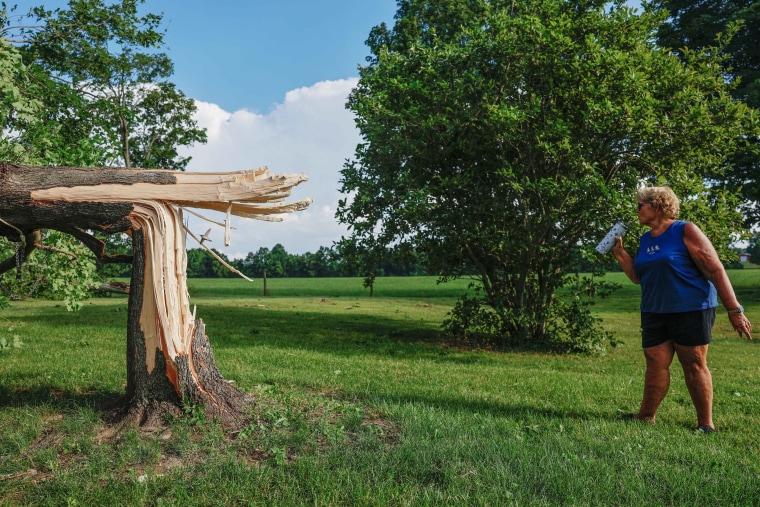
{"points": [[698, 381], [656, 379]]}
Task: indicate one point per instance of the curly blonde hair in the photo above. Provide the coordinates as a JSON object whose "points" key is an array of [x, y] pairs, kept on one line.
{"points": [[661, 197]]}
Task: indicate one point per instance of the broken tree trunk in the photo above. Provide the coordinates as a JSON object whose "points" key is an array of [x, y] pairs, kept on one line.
{"points": [[169, 358]]}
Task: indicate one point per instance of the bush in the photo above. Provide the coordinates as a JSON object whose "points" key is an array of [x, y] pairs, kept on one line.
{"points": [[569, 325]]}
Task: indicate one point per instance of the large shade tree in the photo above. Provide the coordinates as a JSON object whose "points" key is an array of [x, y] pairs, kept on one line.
{"points": [[698, 25], [500, 136], [103, 78]]}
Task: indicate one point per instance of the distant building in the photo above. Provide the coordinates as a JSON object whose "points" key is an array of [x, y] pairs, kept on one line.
{"points": [[744, 257]]}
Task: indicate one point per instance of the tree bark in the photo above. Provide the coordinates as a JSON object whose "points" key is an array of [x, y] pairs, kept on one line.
{"points": [[169, 358], [153, 394]]}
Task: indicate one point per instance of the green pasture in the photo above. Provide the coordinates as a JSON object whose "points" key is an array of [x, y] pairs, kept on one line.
{"points": [[362, 401]]}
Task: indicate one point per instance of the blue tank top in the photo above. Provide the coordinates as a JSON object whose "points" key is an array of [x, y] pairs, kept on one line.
{"points": [[670, 281]]}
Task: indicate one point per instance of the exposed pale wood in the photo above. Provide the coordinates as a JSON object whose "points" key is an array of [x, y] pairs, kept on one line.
{"points": [[167, 320], [192, 187], [249, 211], [234, 193]]}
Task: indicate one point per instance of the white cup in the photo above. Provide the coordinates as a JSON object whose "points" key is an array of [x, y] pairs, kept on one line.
{"points": [[608, 242]]}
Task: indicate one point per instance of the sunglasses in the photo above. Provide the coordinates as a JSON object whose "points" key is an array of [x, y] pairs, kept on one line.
{"points": [[641, 205]]}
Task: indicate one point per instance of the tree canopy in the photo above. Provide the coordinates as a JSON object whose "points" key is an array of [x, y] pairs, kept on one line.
{"points": [[733, 28], [699, 24], [502, 136], [88, 85], [100, 72]]}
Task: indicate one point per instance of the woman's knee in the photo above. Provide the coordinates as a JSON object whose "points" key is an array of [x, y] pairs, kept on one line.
{"points": [[693, 360], [659, 356]]}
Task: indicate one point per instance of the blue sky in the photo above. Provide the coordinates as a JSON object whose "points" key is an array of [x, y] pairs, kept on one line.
{"points": [[248, 54]]}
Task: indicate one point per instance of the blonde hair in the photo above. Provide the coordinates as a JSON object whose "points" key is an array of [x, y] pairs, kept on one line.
{"points": [[661, 197]]}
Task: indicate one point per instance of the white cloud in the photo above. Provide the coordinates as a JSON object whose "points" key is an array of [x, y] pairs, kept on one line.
{"points": [[311, 132]]}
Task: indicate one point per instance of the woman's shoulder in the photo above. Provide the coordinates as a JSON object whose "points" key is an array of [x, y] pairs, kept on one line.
{"points": [[681, 226], [692, 229]]}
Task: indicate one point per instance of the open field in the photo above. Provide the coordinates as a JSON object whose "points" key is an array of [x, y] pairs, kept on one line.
{"points": [[361, 402]]}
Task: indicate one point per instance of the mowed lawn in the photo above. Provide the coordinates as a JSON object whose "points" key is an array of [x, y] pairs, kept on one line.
{"points": [[362, 401]]}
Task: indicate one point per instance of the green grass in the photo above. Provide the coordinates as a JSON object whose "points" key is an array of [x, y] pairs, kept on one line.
{"points": [[361, 402]]}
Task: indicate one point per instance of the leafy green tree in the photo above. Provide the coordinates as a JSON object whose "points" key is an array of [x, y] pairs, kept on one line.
{"points": [[318, 264], [201, 264], [88, 86], [498, 136], [16, 105], [703, 24], [698, 25], [163, 122], [277, 262], [323, 262], [254, 263], [26, 138], [102, 76], [273, 262]]}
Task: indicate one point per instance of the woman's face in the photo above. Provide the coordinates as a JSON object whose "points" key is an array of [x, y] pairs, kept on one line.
{"points": [[646, 212]]}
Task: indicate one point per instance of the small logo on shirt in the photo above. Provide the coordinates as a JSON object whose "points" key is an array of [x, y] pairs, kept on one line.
{"points": [[653, 249]]}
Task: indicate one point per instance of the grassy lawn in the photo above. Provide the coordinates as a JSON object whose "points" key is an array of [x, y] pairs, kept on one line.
{"points": [[361, 402]]}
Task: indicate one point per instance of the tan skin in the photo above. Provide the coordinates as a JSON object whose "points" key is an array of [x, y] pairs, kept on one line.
{"points": [[693, 359]]}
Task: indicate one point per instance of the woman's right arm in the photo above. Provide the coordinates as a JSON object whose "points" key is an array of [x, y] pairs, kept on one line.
{"points": [[625, 260]]}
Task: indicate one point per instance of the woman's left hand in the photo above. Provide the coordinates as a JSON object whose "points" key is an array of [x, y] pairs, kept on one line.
{"points": [[741, 324]]}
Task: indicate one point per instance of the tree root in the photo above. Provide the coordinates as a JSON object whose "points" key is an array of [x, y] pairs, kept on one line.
{"points": [[201, 385]]}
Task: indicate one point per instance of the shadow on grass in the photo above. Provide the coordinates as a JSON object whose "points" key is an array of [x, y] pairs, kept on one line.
{"points": [[335, 334], [57, 398], [234, 327], [103, 402], [520, 412], [241, 327]]}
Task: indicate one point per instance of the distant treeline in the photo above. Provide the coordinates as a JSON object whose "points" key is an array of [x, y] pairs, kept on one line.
{"points": [[278, 263], [326, 262]]}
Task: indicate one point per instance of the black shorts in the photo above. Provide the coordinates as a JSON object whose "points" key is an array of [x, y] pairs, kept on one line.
{"points": [[687, 328]]}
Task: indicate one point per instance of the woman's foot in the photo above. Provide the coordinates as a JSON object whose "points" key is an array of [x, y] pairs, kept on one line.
{"points": [[637, 417]]}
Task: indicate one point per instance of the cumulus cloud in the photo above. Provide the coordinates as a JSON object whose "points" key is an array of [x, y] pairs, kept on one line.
{"points": [[310, 132]]}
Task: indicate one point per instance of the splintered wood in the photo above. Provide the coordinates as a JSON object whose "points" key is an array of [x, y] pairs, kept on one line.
{"points": [[166, 319], [254, 194]]}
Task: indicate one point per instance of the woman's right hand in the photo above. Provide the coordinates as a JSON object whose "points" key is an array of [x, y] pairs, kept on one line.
{"points": [[625, 261], [617, 248]]}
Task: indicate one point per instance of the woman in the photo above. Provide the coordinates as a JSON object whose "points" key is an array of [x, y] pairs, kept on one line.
{"points": [[680, 276]]}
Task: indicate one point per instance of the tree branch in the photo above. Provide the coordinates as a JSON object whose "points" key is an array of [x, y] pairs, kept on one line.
{"points": [[33, 240], [97, 247]]}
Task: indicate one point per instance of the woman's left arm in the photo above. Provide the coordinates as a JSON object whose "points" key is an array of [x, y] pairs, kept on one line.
{"points": [[706, 258]]}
